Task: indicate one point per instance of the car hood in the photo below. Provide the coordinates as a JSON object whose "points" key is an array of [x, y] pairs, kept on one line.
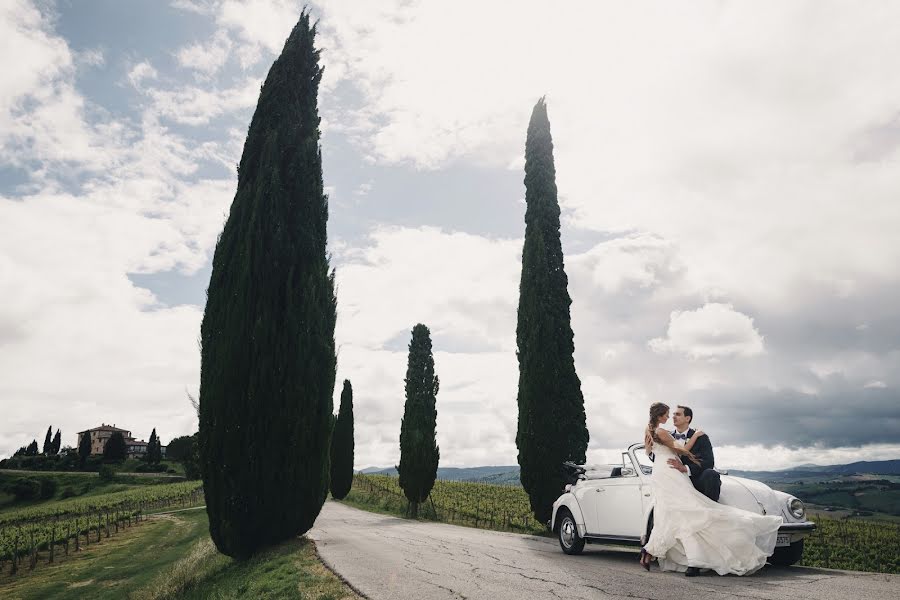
{"points": [[750, 495]]}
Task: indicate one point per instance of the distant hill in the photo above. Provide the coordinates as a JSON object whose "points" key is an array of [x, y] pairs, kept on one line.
{"points": [[501, 475], [509, 475], [878, 467]]}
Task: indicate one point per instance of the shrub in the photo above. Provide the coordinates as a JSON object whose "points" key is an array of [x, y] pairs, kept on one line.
{"points": [[48, 488], [68, 492], [107, 473], [24, 488]]}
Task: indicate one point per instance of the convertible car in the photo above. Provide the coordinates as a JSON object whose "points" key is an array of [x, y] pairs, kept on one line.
{"points": [[613, 504]]}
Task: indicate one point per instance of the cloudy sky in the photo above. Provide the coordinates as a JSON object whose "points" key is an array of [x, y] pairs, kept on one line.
{"points": [[729, 175]]}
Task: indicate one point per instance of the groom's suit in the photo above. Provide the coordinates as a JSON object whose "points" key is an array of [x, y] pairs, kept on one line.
{"points": [[704, 476]]}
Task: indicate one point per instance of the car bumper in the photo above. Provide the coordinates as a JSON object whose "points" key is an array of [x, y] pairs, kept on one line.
{"points": [[806, 527]]}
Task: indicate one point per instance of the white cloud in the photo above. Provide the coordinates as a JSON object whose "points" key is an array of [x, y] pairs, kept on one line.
{"points": [[141, 72], [207, 58], [712, 331]]}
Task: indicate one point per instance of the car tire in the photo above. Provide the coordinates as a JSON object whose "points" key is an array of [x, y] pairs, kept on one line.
{"points": [[567, 532], [786, 556]]}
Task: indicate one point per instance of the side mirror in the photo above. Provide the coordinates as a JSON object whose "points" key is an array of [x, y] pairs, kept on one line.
{"points": [[627, 472]]}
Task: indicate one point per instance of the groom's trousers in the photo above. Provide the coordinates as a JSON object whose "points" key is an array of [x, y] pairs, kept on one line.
{"points": [[708, 483]]}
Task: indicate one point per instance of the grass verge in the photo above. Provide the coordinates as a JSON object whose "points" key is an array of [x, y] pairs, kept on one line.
{"points": [[172, 556]]}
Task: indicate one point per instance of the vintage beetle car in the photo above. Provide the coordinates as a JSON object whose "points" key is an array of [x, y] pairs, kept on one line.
{"points": [[613, 504]]}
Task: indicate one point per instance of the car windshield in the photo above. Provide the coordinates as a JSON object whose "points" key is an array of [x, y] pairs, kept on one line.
{"points": [[643, 460]]}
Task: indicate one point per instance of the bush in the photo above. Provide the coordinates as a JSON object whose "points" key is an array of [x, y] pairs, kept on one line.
{"points": [[48, 488], [150, 468], [68, 492], [107, 473], [24, 488]]}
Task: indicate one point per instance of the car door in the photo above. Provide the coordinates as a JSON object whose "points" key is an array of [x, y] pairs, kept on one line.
{"points": [[619, 506], [587, 495]]}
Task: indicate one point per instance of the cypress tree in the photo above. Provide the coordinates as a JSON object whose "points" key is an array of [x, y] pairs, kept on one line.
{"points": [[267, 338], [32, 449], [552, 425], [154, 452], [57, 442], [115, 448], [48, 441], [84, 447], [342, 446], [419, 452]]}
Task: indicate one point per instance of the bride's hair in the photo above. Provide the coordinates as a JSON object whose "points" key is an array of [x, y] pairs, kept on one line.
{"points": [[657, 410]]}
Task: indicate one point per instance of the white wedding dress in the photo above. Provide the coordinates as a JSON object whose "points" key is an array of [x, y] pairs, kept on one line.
{"points": [[690, 530]]}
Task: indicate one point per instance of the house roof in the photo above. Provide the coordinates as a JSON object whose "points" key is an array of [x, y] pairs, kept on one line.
{"points": [[103, 427]]}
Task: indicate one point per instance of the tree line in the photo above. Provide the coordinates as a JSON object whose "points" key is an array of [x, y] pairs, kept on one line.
{"points": [[268, 445]]}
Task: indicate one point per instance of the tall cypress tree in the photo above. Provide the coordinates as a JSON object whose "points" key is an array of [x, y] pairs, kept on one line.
{"points": [[342, 446], [154, 451], [419, 452], [267, 338], [48, 441], [57, 442], [115, 449], [552, 425], [84, 447]]}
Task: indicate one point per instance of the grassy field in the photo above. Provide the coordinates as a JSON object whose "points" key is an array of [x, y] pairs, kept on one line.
{"points": [[171, 556]]}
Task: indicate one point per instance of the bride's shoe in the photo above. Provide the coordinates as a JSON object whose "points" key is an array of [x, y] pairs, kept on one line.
{"points": [[645, 559]]}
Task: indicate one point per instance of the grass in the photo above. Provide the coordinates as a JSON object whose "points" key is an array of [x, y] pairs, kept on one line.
{"points": [[172, 556]]}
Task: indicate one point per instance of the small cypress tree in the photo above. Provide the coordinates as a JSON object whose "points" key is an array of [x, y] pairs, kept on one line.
{"points": [[342, 446], [84, 447], [32, 449], [48, 442], [57, 442], [115, 448], [267, 338], [154, 450], [552, 423], [419, 452]]}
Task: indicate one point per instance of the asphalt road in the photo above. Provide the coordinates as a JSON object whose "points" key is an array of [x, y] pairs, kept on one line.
{"points": [[389, 558]]}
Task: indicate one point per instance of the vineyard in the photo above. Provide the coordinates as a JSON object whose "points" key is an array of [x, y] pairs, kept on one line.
{"points": [[860, 545], [483, 505], [31, 534]]}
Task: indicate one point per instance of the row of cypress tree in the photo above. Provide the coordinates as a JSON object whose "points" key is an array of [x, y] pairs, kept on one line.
{"points": [[269, 443], [52, 445]]}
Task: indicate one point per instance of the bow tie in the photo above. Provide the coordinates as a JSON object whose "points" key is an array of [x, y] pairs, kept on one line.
{"points": [[679, 436]]}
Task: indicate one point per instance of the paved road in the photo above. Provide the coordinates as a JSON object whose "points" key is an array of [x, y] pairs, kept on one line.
{"points": [[388, 558]]}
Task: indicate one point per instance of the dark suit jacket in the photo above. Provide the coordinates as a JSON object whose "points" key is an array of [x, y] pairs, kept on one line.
{"points": [[704, 452]]}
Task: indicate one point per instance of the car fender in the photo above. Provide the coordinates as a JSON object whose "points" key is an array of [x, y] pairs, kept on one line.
{"points": [[568, 500]]}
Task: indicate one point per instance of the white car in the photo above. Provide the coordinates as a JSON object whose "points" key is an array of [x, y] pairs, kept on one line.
{"points": [[613, 504]]}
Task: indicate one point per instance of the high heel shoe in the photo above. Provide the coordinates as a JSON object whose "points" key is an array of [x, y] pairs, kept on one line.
{"points": [[645, 564]]}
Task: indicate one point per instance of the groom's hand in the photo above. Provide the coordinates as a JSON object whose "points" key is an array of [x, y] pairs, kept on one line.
{"points": [[676, 464]]}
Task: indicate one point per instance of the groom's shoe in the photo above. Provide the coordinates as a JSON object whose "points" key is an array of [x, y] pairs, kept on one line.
{"points": [[692, 572]]}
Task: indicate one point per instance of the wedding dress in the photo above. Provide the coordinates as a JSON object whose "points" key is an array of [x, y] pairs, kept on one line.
{"points": [[690, 530]]}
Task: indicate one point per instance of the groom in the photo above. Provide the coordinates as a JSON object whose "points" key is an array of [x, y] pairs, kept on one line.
{"points": [[704, 476]]}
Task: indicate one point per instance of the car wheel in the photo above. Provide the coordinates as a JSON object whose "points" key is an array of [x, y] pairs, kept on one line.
{"points": [[786, 556], [569, 540]]}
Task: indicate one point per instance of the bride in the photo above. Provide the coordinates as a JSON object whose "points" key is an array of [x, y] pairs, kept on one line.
{"points": [[690, 531]]}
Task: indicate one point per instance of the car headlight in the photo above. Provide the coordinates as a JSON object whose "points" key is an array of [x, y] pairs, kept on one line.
{"points": [[796, 508]]}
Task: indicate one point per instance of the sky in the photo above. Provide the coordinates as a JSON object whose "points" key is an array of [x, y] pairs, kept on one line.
{"points": [[728, 173]]}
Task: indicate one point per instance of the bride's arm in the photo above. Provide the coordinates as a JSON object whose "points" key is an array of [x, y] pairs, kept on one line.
{"points": [[666, 439], [690, 443]]}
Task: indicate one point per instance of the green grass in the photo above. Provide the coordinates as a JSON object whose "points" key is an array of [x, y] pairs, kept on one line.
{"points": [[172, 556]]}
